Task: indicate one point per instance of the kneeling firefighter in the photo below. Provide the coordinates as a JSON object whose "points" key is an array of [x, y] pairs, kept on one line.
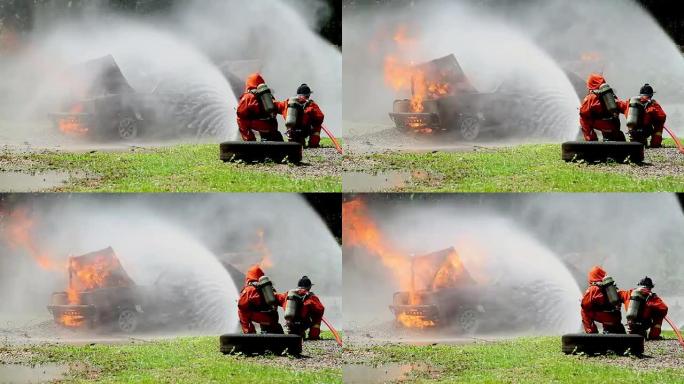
{"points": [[256, 111], [601, 303], [645, 118], [303, 310], [600, 112], [645, 310], [258, 304], [303, 117]]}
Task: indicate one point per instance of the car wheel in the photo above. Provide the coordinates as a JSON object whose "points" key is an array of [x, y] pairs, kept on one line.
{"points": [[469, 127], [128, 128], [127, 321], [468, 321]]}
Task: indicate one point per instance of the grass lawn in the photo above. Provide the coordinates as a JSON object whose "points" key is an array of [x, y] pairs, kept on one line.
{"points": [[183, 360], [524, 168], [524, 360], [181, 168]]}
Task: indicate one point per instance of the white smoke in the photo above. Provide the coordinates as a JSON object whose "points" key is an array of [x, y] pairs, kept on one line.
{"points": [[178, 54], [536, 292], [176, 243]]}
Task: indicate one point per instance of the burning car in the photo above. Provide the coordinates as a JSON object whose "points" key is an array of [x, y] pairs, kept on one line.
{"points": [[443, 294], [444, 101], [101, 295], [100, 103]]}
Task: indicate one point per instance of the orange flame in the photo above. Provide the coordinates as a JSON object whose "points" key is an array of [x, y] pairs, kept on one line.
{"points": [[262, 248], [359, 230], [72, 124], [404, 75], [414, 275], [72, 320], [413, 321], [449, 273], [19, 235]]}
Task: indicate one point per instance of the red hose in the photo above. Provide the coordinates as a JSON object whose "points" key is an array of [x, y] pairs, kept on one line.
{"points": [[676, 140], [676, 331], [334, 332], [334, 140]]}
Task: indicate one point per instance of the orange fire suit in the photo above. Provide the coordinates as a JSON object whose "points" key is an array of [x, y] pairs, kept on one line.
{"points": [[594, 116], [597, 308], [251, 115], [650, 124], [308, 316], [651, 316], [309, 124], [253, 309]]}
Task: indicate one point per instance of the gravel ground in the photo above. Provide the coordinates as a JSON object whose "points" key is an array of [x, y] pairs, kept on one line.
{"points": [[317, 162], [315, 355], [658, 162], [657, 355]]}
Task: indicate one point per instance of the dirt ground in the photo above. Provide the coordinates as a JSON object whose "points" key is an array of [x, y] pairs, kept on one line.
{"points": [[657, 355], [658, 162], [373, 138]]}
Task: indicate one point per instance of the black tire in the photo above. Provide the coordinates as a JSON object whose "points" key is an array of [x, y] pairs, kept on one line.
{"points": [[468, 321], [593, 344], [128, 127], [260, 344], [469, 127], [593, 151], [254, 151], [127, 320]]}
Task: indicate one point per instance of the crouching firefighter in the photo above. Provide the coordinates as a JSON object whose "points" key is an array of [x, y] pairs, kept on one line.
{"points": [[645, 310], [600, 111], [256, 111], [303, 310], [303, 117], [258, 304], [601, 303], [645, 118]]}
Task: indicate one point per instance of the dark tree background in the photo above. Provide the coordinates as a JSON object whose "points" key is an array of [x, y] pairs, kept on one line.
{"points": [[17, 15]]}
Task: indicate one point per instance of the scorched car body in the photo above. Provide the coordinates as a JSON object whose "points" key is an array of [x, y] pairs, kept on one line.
{"points": [[458, 107]]}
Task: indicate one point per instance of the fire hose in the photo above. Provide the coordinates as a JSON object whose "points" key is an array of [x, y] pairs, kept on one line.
{"points": [[676, 140], [676, 331], [338, 148], [334, 332]]}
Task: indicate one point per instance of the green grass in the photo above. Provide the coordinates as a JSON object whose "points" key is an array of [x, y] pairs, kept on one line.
{"points": [[525, 168], [524, 360], [184, 360], [182, 168]]}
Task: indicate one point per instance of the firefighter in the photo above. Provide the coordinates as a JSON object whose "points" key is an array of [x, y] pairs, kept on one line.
{"points": [[599, 111], [645, 310], [253, 306], [596, 305], [256, 111], [303, 310], [303, 117], [645, 118]]}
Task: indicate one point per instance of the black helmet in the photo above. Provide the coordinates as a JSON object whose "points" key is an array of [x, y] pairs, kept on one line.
{"points": [[646, 282], [646, 90], [304, 282], [304, 90]]}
